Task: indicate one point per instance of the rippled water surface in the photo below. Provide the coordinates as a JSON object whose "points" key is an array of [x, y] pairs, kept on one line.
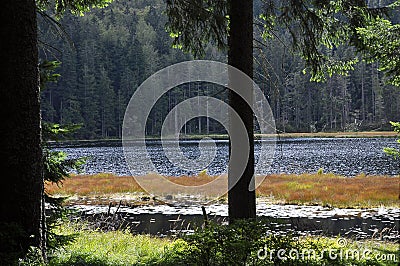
{"points": [[346, 156]]}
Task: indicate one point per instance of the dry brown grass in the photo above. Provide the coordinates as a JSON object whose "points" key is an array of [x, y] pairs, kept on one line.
{"points": [[98, 184], [192, 180], [329, 189], [323, 189]]}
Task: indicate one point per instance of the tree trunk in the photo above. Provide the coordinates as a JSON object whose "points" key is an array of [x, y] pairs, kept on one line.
{"points": [[241, 201], [21, 185], [362, 93]]}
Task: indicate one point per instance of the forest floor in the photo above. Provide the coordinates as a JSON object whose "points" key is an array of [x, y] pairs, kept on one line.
{"points": [[306, 189]]}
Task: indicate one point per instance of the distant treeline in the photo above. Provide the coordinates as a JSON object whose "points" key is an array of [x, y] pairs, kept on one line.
{"points": [[109, 52]]}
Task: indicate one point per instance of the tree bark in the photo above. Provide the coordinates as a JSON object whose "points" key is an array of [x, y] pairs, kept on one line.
{"points": [[21, 185], [241, 201]]}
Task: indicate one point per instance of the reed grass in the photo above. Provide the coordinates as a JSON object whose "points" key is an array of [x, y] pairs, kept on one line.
{"points": [[321, 189], [334, 190], [103, 183]]}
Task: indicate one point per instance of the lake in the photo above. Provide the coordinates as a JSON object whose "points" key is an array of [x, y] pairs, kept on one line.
{"points": [[296, 220], [344, 156]]}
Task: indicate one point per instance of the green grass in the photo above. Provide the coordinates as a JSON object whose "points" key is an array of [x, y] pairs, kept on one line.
{"points": [[93, 247]]}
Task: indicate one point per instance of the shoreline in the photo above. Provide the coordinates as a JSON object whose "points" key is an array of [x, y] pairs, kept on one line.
{"points": [[361, 134], [165, 219]]}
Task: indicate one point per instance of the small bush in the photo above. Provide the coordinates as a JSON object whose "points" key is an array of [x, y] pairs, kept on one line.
{"points": [[246, 242], [237, 244]]}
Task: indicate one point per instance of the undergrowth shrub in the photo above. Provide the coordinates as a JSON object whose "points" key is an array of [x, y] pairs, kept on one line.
{"points": [[239, 243], [248, 242]]}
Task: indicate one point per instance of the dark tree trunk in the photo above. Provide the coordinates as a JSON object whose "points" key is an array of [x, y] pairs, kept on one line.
{"points": [[21, 185], [241, 201]]}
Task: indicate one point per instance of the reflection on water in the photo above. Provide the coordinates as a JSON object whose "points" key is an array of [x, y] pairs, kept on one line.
{"points": [[345, 156], [377, 223]]}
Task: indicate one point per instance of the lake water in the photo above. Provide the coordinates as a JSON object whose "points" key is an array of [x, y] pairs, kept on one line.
{"points": [[294, 219], [345, 156]]}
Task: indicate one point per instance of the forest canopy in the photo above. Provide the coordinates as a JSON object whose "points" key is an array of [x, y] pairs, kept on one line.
{"points": [[108, 52]]}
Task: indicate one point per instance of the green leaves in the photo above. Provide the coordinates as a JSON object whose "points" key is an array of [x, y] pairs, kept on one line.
{"points": [[392, 151], [332, 66], [56, 167], [225, 245], [316, 28], [396, 126], [381, 42], [54, 132], [47, 72], [194, 24], [76, 7]]}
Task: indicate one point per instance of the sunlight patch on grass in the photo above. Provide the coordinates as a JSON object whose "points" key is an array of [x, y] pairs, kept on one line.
{"points": [[94, 247]]}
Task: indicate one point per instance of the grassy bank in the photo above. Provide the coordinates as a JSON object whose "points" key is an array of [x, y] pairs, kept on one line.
{"points": [[358, 134], [361, 134], [322, 189], [94, 247], [219, 245]]}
